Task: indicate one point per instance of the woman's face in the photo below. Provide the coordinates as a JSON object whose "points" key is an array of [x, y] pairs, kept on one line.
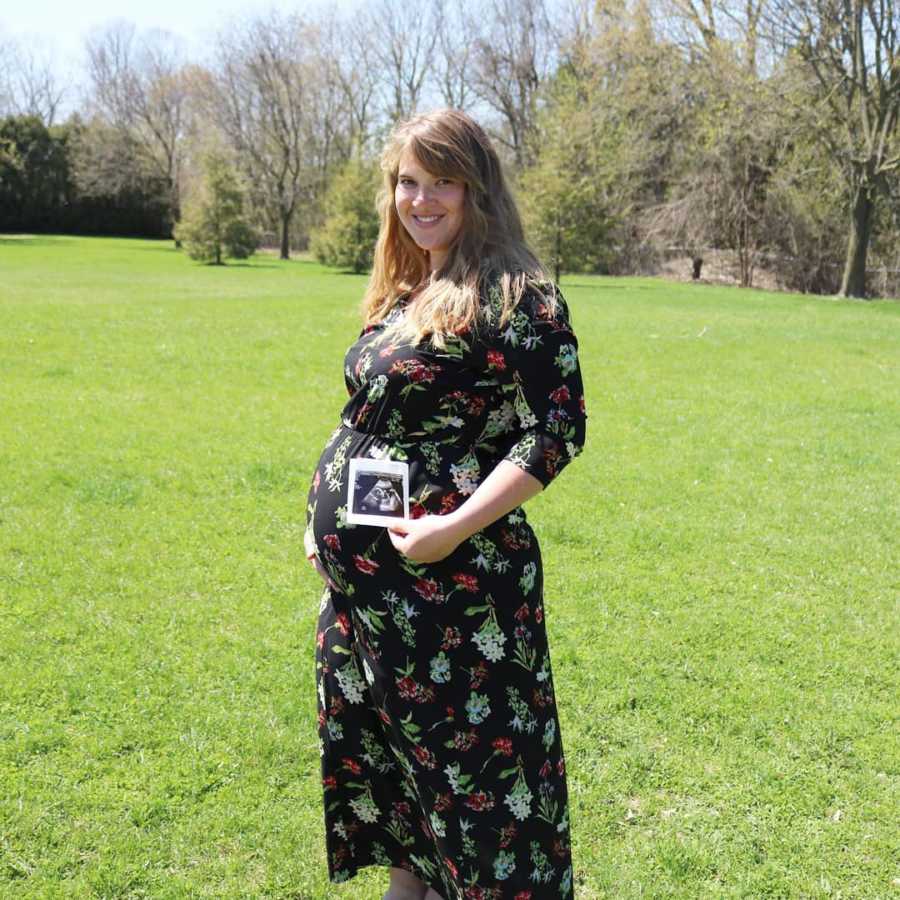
{"points": [[430, 208]]}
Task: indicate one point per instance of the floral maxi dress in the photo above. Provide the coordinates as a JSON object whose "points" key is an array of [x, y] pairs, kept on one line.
{"points": [[439, 737]]}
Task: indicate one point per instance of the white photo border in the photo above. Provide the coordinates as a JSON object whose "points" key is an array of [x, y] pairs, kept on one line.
{"points": [[366, 466]]}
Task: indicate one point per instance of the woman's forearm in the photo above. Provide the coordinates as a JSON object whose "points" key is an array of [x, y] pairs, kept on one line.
{"points": [[506, 487]]}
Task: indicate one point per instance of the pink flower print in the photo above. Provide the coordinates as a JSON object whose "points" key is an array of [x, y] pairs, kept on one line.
{"points": [[452, 637], [496, 360], [480, 801], [425, 757], [428, 589], [466, 582], [366, 566]]}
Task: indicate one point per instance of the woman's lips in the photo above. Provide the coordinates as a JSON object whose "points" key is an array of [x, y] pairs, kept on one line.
{"points": [[430, 222]]}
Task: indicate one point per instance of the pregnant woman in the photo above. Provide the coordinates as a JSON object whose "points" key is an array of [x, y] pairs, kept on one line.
{"points": [[440, 746]]}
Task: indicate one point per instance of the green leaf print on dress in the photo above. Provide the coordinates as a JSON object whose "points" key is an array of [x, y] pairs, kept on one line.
{"points": [[460, 782], [351, 681], [364, 805], [519, 798], [490, 637], [402, 612], [523, 718], [488, 558]]}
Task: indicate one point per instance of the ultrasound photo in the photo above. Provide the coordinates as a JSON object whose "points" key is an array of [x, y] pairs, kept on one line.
{"points": [[378, 492]]}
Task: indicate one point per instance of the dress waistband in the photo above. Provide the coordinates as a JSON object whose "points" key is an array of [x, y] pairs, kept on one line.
{"points": [[371, 434]]}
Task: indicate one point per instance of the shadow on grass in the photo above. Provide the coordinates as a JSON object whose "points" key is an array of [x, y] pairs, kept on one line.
{"points": [[31, 240], [602, 282]]}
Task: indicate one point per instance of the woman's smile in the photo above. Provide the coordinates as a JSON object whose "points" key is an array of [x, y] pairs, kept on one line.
{"points": [[430, 208]]}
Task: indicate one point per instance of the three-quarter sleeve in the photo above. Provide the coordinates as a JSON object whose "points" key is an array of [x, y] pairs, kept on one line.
{"points": [[535, 357]]}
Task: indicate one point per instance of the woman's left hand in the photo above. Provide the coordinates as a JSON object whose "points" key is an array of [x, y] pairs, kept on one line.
{"points": [[427, 539]]}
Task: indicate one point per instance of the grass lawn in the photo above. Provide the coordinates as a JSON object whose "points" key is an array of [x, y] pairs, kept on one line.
{"points": [[721, 582]]}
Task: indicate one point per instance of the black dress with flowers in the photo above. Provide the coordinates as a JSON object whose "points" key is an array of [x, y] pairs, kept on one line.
{"points": [[439, 736]]}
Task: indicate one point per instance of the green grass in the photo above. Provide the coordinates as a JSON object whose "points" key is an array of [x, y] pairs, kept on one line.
{"points": [[721, 581]]}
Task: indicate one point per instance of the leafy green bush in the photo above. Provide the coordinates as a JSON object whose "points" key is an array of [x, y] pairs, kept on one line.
{"points": [[213, 224], [347, 238]]}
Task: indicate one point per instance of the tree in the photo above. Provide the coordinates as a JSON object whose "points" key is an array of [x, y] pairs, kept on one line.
{"points": [[29, 81], [851, 51], [214, 225], [34, 173], [403, 48], [139, 87], [347, 238], [611, 117], [566, 195], [511, 57], [261, 100]]}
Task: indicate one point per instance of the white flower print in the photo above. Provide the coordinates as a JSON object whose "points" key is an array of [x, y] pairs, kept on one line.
{"points": [[490, 640], [440, 668], [465, 474], [335, 729], [376, 388], [351, 682], [452, 771], [365, 808], [477, 707], [567, 359], [519, 799], [504, 864], [334, 470], [526, 582], [549, 734], [527, 418], [499, 421]]}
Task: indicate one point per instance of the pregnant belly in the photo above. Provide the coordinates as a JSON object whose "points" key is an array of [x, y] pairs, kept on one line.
{"points": [[347, 550]]}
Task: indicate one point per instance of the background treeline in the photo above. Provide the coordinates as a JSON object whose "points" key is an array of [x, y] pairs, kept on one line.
{"points": [[759, 135]]}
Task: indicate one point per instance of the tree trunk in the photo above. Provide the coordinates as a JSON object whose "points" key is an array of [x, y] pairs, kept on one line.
{"points": [[558, 247], [853, 284], [285, 235], [696, 265]]}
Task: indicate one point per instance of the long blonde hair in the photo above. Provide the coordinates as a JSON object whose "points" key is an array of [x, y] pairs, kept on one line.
{"points": [[490, 246]]}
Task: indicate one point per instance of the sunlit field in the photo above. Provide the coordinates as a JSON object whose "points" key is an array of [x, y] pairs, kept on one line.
{"points": [[721, 582]]}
